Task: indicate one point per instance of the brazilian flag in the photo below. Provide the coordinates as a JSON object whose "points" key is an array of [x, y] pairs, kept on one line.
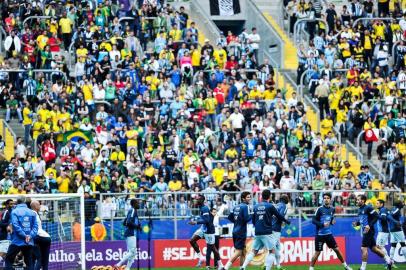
{"points": [[75, 135]]}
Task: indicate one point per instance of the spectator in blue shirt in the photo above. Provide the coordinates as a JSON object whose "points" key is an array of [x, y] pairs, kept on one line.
{"points": [[25, 228]]}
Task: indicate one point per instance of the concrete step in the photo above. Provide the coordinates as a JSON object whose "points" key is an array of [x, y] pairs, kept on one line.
{"points": [[17, 128]]}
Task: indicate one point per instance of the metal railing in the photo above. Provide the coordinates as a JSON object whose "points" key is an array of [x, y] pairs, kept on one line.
{"points": [[201, 18], [354, 24], [36, 17], [298, 22], [316, 110], [271, 32], [177, 206], [3, 36], [65, 77]]}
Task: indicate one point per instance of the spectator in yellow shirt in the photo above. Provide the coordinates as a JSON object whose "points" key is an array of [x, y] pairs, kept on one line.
{"points": [[63, 182], [220, 55], [218, 174], [27, 122], [42, 40], [175, 185], [65, 25]]}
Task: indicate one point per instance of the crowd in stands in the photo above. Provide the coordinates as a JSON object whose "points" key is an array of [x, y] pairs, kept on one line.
{"points": [[150, 107], [352, 74]]}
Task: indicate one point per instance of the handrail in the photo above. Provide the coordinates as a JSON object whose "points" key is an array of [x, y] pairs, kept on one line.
{"points": [[271, 29], [373, 167], [37, 71], [276, 191], [2, 33], [126, 19], [199, 14], [307, 20], [354, 24], [317, 111], [5, 124], [394, 47], [359, 144], [36, 17], [358, 154]]}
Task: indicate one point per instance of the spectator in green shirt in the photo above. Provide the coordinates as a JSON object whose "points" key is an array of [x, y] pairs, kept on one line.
{"points": [[318, 183], [13, 108]]}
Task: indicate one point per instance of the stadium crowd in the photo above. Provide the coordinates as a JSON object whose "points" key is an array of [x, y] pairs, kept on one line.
{"points": [[352, 74], [149, 107]]}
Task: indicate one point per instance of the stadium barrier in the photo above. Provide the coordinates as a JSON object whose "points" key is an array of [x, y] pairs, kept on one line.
{"points": [[295, 251], [296, 28], [173, 209]]}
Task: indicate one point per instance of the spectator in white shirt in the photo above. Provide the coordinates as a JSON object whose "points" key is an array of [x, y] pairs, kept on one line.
{"points": [[88, 153], [254, 39], [287, 182]]}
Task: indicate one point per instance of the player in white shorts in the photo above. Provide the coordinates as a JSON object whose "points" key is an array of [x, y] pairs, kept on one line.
{"points": [[383, 227], [277, 228], [397, 235]]}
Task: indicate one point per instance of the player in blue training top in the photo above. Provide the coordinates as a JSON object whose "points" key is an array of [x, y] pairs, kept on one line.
{"points": [[132, 224], [323, 220], [240, 216], [262, 220], [367, 219], [395, 227], [206, 219], [277, 227], [382, 225]]}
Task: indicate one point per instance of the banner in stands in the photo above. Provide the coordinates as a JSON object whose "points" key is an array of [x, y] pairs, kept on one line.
{"points": [[294, 251], [105, 253]]}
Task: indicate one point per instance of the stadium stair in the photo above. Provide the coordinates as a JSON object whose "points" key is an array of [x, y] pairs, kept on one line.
{"points": [[312, 120], [8, 139], [291, 63], [290, 53]]}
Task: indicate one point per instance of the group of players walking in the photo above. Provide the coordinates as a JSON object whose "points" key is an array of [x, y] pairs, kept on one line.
{"points": [[268, 219]]}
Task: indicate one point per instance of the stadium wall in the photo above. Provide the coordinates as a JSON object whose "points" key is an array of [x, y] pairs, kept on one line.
{"points": [[295, 251]]}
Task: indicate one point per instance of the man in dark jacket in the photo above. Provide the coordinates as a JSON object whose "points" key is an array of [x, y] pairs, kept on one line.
{"points": [[5, 219]]}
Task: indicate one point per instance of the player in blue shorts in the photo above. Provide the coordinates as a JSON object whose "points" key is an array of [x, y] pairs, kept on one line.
{"points": [[206, 219], [323, 220], [395, 227], [262, 221], [367, 219], [277, 227], [240, 216]]}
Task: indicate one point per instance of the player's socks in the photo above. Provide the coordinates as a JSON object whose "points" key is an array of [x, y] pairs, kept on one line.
{"points": [[392, 252], [363, 266], [248, 259], [228, 265], [277, 260], [311, 268], [403, 250], [201, 259], [346, 266], [388, 259], [220, 265], [269, 261]]}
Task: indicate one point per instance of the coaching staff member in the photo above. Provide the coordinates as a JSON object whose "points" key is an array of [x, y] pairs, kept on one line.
{"points": [[25, 229]]}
